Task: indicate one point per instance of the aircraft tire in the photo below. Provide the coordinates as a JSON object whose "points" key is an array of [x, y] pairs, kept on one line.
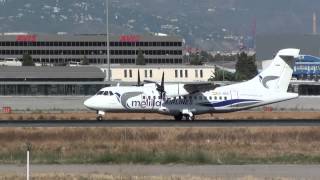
{"points": [[99, 118], [189, 118], [178, 117]]}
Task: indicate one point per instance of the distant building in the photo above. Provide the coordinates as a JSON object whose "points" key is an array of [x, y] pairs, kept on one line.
{"points": [[173, 73], [63, 48], [307, 67], [87, 80], [50, 81]]}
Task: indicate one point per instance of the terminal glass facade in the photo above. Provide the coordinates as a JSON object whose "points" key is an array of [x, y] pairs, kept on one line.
{"points": [[61, 49]]}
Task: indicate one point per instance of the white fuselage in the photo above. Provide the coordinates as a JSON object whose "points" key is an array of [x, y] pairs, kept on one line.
{"points": [[146, 99], [270, 86]]}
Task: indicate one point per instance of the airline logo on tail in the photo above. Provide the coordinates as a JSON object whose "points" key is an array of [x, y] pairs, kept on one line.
{"points": [[265, 80]]}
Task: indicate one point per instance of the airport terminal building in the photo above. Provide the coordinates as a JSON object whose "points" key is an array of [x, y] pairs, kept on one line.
{"points": [[87, 80], [50, 81], [60, 49]]}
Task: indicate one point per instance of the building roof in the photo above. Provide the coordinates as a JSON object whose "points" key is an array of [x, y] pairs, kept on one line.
{"points": [[158, 66], [308, 58], [45, 73], [89, 37]]}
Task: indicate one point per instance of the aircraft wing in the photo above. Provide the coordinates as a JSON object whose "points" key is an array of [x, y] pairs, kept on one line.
{"points": [[199, 87]]}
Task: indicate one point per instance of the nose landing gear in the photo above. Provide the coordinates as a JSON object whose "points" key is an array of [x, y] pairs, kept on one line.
{"points": [[99, 118], [100, 115]]}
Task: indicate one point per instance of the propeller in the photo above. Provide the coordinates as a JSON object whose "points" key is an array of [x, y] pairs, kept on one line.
{"points": [[160, 87]]}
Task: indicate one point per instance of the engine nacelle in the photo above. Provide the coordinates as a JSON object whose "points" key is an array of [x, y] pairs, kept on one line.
{"points": [[173, 90]]}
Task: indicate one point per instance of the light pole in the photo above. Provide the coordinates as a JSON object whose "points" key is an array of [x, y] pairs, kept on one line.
{"points": [[108, 40], [29, 146]]}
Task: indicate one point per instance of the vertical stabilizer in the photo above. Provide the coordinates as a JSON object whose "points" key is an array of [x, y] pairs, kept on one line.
{"points": [[278, 74]]}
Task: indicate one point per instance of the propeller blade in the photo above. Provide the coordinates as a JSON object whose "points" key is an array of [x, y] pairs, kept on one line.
{"points": [[162, 80], [139, 82], [149, 82], [160, 87]]}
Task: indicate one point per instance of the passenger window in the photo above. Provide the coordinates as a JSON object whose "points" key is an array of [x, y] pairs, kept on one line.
{"points": [[143, 97], [195, 97], [220, 97], [111, 93], [106, 93], [225, 98], [210, 97], [215, 98], [100, 92], [200, 98]]}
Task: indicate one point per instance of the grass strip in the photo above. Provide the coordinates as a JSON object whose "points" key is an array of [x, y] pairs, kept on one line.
{"points": [[147, 157]]}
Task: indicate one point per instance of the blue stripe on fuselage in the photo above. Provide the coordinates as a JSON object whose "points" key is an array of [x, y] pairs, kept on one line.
{"points": [[227, 102]]}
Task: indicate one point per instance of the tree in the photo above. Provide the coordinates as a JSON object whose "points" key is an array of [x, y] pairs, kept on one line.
{"points": [[27, 60], [195, 59], [246, 67], [222, 75], [206, 57], [140, 58], [85, 61]]}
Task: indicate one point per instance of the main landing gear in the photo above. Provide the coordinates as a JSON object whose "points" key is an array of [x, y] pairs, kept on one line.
{"points": [[100, 115], [181, 116]]}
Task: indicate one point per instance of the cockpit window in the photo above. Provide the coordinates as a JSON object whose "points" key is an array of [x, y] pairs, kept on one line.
{"points": [[106, 93], [100, 92], [111, 93]]}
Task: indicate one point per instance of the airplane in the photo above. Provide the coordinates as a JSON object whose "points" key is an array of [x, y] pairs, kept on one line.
{"points": [[185, 101]]}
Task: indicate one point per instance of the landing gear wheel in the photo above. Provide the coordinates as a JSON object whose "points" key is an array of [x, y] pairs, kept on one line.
{"points": [[100, 115], [99, 118], [178, 117], [189, 118]]}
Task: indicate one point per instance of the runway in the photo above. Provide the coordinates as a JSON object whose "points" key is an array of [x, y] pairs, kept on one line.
{"points": [[159, 123]]}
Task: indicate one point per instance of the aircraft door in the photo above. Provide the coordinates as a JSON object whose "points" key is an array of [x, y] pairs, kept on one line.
{"points": [[234, 94]]}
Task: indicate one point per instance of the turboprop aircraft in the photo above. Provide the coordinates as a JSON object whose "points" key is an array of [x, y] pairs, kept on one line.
{"points": [[187, 100]]}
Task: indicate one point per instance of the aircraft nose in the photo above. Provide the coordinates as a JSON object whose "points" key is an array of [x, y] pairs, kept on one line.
{"points": [[88, 103]]}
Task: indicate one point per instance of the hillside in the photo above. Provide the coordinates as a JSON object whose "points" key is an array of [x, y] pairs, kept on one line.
{"points": [[217, 24]]}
